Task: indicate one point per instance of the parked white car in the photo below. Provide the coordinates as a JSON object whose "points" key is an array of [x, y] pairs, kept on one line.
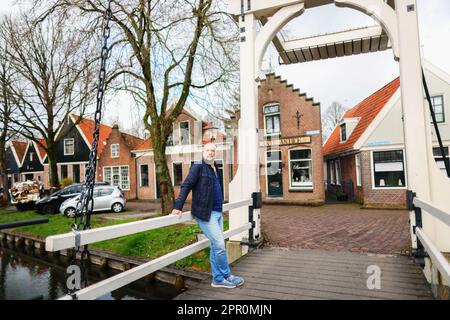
{"points": [[106, 198]]}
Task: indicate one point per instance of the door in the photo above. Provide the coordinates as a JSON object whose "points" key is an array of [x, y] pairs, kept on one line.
{"points": [[274, 174], [76, 173]]}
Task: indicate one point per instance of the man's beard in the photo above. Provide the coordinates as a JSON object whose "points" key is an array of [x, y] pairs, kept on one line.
{"points": [[209, 160]]}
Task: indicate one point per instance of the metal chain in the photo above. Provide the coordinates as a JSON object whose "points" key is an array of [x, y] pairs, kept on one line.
{"points": [[85, 205]]}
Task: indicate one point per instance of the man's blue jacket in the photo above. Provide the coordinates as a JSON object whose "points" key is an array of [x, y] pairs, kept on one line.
{"points": [[201, 181]]}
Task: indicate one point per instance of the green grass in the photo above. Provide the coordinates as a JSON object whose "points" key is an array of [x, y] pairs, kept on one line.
{"points": [[149, 245]]}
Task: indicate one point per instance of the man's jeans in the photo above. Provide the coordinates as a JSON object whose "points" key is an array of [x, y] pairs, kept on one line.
{"points": [[213, 230]]}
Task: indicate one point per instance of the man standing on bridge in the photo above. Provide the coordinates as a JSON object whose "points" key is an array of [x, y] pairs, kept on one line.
{"points": [[205, 181]]}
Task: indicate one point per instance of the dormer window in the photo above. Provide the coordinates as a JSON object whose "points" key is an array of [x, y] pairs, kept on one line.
{"points": [[346, 127], [31, 156], [343, 132], [272, 119]]}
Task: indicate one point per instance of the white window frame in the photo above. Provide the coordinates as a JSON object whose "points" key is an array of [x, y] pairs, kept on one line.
{"points": [[358, 169], [338, 171], [332, 172], [265, 169], [372, 170], [73, 147], [31, 156], [120, 176], [340, 132], [129, 176], [173, 173], [155, 182], [140, 175], [271, 114], [179, 132], [113, 151], [311, 173], [443, 108]]}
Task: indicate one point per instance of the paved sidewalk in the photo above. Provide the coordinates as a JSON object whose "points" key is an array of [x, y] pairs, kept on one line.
{"points": [[337, 227]]}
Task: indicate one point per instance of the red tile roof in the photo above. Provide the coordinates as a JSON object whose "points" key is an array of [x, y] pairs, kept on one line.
{"points": [[87, 127], [145, 145], [366, 110], [41, 150], [132, 141], [20, 148]]}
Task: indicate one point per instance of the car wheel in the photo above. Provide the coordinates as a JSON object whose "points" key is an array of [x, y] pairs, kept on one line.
{"points": [[70, 212], [117, 207], [48, 209]]}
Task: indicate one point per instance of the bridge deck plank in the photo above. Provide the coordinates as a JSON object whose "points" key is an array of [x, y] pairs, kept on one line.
{"points": [[298, 274]]}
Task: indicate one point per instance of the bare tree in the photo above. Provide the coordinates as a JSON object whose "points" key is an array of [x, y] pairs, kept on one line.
{"points": [[53, 77], [6, 110], [333, 114], [165, 53]]}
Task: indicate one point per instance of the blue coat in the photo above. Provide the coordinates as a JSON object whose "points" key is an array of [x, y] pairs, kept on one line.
{"points": [[201, 181]]}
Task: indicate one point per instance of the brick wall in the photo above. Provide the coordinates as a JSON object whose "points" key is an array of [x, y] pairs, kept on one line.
{"points": [[395, 198], [125, 159], [273, 90], [348, 175]]}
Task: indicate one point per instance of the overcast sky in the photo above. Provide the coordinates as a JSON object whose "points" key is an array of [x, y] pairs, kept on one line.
{"points": [[350, 79], [347, 79]]}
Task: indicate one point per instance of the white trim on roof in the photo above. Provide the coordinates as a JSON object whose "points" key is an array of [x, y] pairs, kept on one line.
{"points": [[377, 120], [25, 153], [36, 147], [428, 66], [16, 156], [81, 131]]}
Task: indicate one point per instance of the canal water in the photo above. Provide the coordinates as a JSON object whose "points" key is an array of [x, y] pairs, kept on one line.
{"points": [[25, 274]]}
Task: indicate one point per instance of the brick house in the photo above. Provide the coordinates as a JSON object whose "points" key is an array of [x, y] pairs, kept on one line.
{"points": [[116, 164], [365, 152], [291, 159]]}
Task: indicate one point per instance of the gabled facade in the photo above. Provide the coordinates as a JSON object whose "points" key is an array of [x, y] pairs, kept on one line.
{"points": [[74, 148], [116, 164], [32, 167], [291, 159], [370, 164], [15, 151]]}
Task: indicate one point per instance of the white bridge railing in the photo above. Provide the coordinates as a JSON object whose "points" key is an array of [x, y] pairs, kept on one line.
{"points": [[75, 239], [423, 241]]}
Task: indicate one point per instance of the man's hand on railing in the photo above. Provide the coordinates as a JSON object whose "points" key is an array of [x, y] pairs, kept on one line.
{"points": [[177, 212]]}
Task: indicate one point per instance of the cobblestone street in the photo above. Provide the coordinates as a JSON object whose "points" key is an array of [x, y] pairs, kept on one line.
{"points": [[337, 227]]}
